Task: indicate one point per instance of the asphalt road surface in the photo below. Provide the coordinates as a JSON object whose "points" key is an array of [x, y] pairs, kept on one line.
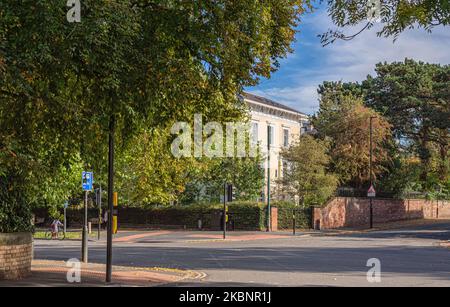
{"points": [[409, 257]]}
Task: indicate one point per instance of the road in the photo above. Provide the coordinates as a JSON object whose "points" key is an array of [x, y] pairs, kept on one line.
{"points": [[409, 257]]}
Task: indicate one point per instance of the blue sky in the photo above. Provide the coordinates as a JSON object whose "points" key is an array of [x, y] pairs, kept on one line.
{"points": [[295, 83]]}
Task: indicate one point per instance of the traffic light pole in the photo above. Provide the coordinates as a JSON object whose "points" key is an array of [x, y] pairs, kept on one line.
{"points": [[112, 124], [84, 244]]}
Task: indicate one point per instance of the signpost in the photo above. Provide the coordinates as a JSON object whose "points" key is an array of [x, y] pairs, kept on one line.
{"points": [[371, 194], [87, 180]]}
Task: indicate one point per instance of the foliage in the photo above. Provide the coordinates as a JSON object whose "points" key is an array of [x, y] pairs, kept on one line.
{"points": [[346, 122], [245, 174], [146, 63], [414, 97], [303, 218], [148, 173], [306, 174], [395, 16], [245, 215], [15, 213]]}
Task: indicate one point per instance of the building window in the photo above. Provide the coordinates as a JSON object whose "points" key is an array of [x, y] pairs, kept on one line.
{"points": [[285, 137], [270, 130], [285, 167], [255, 133], [305, 127]]}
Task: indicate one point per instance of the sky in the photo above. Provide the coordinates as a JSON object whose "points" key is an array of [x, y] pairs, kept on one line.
{"points": [[295, 83]]}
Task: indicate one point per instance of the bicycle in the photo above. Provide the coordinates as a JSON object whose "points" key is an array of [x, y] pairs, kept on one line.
{"points": [[48, 235]]}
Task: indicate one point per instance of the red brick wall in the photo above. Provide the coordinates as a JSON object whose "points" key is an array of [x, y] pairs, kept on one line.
{"points": [[354, 212], [16, 252]]}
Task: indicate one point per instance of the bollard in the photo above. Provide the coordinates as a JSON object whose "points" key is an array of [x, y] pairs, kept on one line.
{"points": [[90, 227]]}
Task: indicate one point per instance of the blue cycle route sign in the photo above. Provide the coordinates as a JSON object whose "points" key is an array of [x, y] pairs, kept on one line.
{"points": [[87, 180]]}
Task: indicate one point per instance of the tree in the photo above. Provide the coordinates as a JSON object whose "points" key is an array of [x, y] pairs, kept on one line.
{"points": [[136, 63], [346, 122], [148, 173], [395, 16], [415, 98], [245, 174], [306, 174], [334, 97]]}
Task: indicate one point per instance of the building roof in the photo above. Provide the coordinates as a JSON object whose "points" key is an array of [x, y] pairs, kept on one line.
{"points": [[271, 103]]}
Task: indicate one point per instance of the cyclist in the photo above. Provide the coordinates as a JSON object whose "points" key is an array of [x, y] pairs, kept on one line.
{"points": [[55, 228]]}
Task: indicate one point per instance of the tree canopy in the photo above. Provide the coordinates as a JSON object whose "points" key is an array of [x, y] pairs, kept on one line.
{"points": [[395, 16], [415, 98], [345, 121], [306, 174], [148, 63]]}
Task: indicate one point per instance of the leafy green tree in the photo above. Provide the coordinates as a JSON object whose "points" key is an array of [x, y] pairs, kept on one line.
{"points": [[148, 173], [334, 98], [345, 121], [306, 174], [395, 16], [245, 174], [414, 97], [138, 64]]}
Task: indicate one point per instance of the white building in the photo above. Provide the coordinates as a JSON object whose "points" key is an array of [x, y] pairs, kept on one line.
{"points": [[278, 124]]}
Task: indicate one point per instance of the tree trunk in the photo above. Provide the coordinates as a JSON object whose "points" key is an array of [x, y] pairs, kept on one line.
{"points": [[424, 153]]}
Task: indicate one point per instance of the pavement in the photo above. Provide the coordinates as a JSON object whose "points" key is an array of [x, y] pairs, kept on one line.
{"points": [[47, 273], [410, 255]]}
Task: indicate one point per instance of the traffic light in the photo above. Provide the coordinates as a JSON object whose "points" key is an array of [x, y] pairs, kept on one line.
{"points": [[231, 193], [115, 212]]}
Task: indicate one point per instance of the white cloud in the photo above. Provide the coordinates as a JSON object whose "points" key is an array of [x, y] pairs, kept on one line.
{"points": [[296, 82]]}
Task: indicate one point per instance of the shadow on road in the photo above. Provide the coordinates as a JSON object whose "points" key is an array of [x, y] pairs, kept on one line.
{"points": [[427, 261]]}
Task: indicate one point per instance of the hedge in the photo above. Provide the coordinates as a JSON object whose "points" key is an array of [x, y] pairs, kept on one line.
{"points": [[249, 216], [15, 213], [303, 217], [242, 216]]}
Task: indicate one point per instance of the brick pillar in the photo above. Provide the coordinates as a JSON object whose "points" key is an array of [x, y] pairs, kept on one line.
{"points": [[15, 255], [274, 218], [316, 218]]}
